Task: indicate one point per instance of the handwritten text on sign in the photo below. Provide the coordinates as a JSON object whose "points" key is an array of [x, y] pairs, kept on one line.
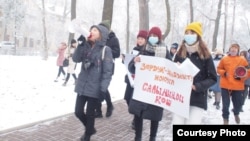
{"points": [[163, 83]]}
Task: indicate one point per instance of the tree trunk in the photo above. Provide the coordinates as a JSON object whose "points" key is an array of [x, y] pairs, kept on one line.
{"points": [[128, 31], [225, 26], [217, 23], [64, 11], [143, 14], [45, 53], [191, 11], [232, 30], [73, 16], [168, 20], [107, 12]]}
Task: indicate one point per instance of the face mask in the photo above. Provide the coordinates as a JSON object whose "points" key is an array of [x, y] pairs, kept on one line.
{"points": [[233, 53], [190, 38], [153, 40]]}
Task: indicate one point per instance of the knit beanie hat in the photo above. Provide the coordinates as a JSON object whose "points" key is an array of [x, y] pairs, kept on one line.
{"points": [[105, 23], [196, 27], [143, 34], [155, 30], [235, 45], [174, 45]]}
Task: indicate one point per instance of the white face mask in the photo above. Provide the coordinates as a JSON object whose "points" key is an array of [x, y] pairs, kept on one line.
{"points": [[153, 40], [190, 39]]}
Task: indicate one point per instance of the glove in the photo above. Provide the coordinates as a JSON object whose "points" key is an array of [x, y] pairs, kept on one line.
{"points": [[237, 78], [102, 95], [81, 40]]}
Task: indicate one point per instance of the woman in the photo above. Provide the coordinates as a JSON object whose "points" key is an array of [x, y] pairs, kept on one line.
{"points": [[141, 110], [94, 77], [194, 48], [72, 64], [60, 58], [141, 42], [216, 87]]}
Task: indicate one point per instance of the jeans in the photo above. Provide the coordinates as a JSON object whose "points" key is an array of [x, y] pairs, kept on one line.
{"points": [[236, 96]]}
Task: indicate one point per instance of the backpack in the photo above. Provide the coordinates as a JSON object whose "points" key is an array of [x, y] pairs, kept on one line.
{"points": [[114, 44]]}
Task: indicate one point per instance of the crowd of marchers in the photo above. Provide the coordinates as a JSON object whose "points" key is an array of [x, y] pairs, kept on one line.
{"points": [[226, 75]]}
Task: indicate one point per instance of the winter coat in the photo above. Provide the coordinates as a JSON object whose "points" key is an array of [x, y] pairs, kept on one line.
{"points": [[139, 49], [72, 64], [114, 44], [96, 78], [61, 57], [226, 69], [129, 89], [204, 79], [216, 86], [141, 109]]}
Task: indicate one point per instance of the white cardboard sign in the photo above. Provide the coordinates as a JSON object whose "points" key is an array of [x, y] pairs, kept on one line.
{"points": [[163, 83]]}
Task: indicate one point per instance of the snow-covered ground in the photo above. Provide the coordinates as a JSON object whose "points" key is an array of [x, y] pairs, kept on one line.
{"points": [[29, 94]]}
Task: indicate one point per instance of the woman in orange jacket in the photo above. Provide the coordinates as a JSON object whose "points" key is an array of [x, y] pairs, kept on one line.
{"points": [[232, 85]]}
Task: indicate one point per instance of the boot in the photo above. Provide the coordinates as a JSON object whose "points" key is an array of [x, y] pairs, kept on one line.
{"points": [[56, 80], [217, 105], [225, 121], [98, 114], [86, 137], [237, 119], [98, 111], [137, 138], [109, 111], [64, 84], [152, 139], [89, 128]]}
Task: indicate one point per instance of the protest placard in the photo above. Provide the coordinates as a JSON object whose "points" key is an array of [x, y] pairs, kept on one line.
{"points": [[164, 83]]}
